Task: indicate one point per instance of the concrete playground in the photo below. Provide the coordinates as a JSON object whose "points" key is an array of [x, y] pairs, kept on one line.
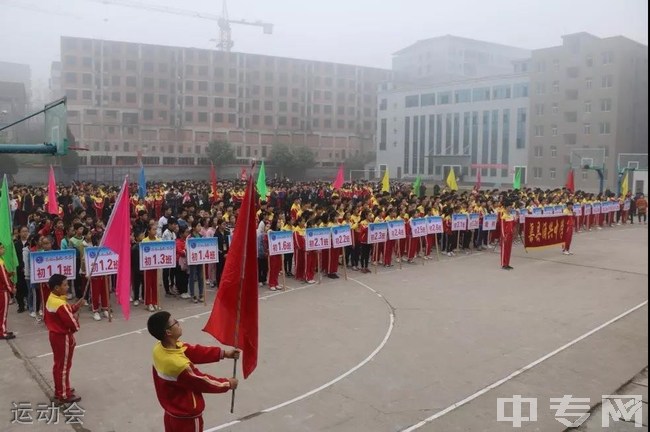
{"points": [[426, 347]]}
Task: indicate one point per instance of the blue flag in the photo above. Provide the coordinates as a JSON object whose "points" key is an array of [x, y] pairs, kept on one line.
{"points": [[142, 184]]}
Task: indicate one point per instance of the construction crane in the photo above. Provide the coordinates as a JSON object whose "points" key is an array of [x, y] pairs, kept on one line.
{"points": [[225, 34]]}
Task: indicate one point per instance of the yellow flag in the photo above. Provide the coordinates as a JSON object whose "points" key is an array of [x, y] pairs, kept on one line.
{"points": [[451, 180], [624, 185], [385, 185]]}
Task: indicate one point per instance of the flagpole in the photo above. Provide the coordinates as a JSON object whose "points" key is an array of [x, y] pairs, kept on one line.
{"points": [[241, 286]]}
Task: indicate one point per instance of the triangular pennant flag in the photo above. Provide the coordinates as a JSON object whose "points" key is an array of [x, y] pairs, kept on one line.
{"points": [[338, 181]]}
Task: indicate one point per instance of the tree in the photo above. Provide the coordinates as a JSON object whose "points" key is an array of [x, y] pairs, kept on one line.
{"points": [[305, 159], [220, 153], [8, 165], [70, 162], [282, 158]]}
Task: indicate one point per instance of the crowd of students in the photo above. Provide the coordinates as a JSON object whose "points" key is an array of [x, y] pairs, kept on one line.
{"points": [[178, 210]]}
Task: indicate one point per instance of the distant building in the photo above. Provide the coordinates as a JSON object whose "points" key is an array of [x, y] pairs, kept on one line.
{"points": [[13, 104], [464, 125], [56, 90], [19, 73], [169, 102], [588, 99], [452, 58]]}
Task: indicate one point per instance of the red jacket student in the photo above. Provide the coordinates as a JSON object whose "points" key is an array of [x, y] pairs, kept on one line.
{"points": [[6, 288], [62, 322], [179, 383]]}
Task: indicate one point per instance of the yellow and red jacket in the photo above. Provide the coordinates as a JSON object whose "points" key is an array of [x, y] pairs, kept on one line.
{"points": [[59, 315], [179, 384]]}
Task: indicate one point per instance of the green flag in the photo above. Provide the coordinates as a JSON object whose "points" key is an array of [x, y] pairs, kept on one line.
{"points": [[10, 259], [416, 186], [261, 182], [516, 184]]}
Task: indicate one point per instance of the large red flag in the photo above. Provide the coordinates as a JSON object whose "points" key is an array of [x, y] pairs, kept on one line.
{"points": [[117, 238], [570, 185], [52, 204], [213, 180], [233, 320], [338, 182]]}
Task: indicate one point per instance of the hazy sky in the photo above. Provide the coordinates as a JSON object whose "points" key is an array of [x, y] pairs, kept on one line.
{"points": [[363, 32]]}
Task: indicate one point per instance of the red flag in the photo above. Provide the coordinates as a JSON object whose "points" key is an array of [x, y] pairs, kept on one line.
{"points": [[338, 182], [477, 186], [233, 320], [52, 204], [117, 238], [570, 185], [213, 180]]}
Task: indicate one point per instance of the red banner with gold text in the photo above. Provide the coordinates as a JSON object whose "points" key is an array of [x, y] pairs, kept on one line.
{"points": [[544, 230]]}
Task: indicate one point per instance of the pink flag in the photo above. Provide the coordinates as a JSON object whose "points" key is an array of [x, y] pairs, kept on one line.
{"points": [[338, 182], [52, 205], [117, 238]]}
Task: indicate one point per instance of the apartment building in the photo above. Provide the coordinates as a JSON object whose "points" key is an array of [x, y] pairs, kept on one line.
{"points": [[166, 103], [452, 58], [468, 125], [588, 99]]}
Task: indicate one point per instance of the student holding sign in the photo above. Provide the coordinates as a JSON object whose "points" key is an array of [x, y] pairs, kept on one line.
{"points": [[568, 230], [151, 276], [507, 235]]}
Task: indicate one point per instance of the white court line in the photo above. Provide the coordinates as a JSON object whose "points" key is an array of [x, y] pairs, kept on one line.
{"points": [[519, 372], [139, 331], [335, 380]]}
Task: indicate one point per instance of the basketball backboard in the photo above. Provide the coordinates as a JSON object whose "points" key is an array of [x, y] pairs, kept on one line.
{"points": [[587, 158]]}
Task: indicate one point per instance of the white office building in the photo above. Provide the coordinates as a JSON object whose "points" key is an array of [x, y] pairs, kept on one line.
{"points": [[464, 125]]}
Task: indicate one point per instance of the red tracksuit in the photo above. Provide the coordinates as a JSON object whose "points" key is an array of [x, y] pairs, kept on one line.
{"points": [[6, 287], [568, 232], [99, 292], [507, 233], [151, 287], [275, 265], [62, 324], [180, 385]]}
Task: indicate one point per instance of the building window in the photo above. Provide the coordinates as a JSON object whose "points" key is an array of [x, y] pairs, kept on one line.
{"points": [[552, 172], [607, 81], [203, 117], [587, 106], [463, 96], [540, 88], [571, 116], [605, 128], [608, 58], [428, 99], [539, 109], [444, 98], [521, 128], [589, 61], [541, 66], [587, 128], [553, 151], [539, 131], [556, 86], [481, 94], [539, 151], [411, 101], [555, 108], [588, 83], [131, 98], [605, 105], [383, 134], [537, 172], [554, 130]]}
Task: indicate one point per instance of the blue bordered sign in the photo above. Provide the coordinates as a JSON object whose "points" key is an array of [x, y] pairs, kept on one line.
{"points": [[396, 229], [434, 225], [418, 227], [157, 254], [102, 259], [489, 222], [341, 236], [458, 222], [44, 264], [318, 239], [280, 242], [377, 232], [202, 250]]}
